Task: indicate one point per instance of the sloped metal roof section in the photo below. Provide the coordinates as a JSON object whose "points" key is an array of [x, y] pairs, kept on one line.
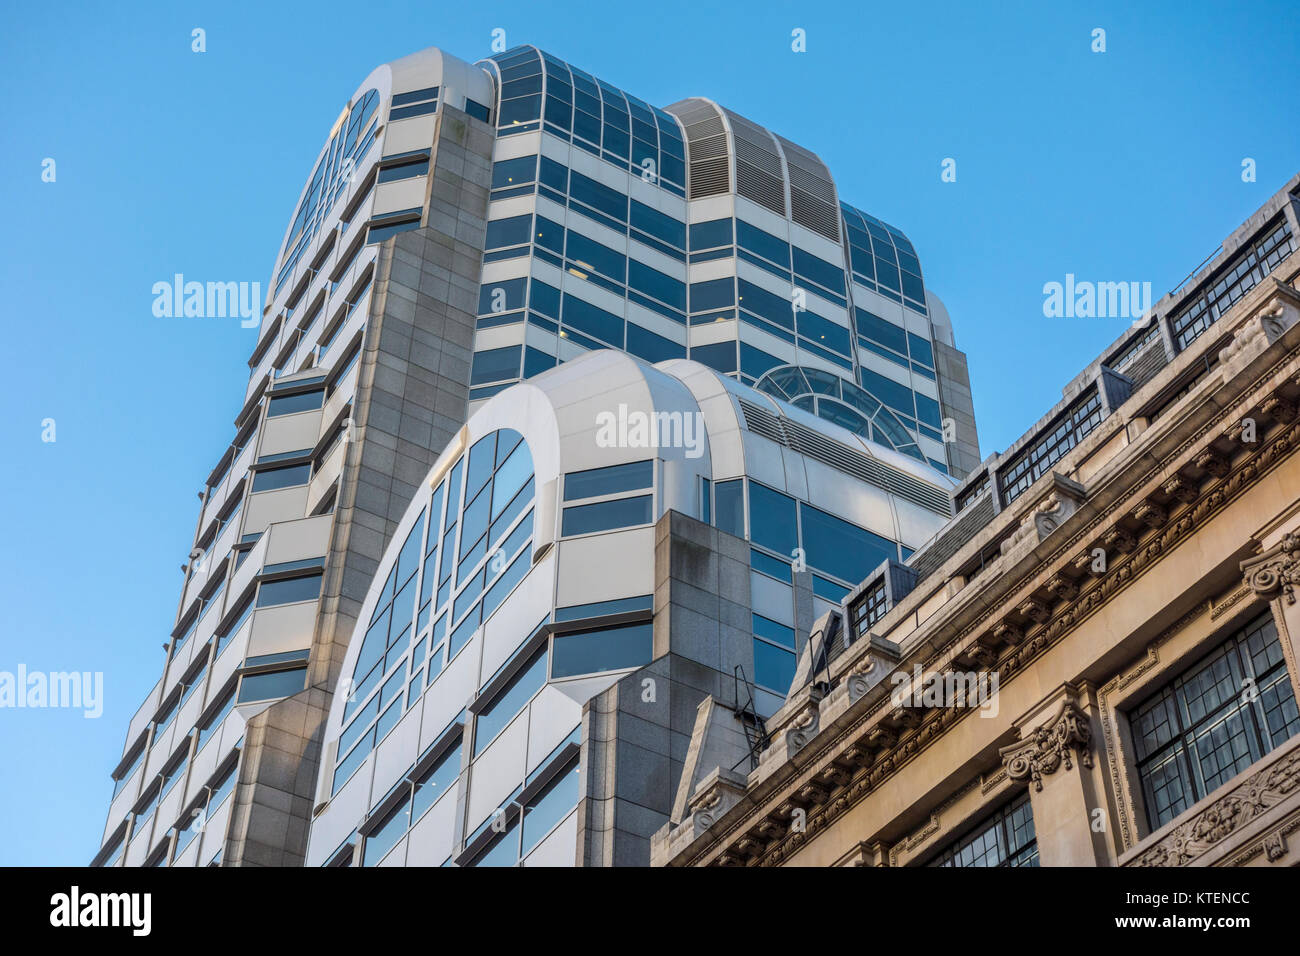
{"points": [[760, 173], [708, 154], [813, 202]]}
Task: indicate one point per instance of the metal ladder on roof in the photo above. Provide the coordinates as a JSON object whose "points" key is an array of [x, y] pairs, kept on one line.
{"points": [[747, 713]]}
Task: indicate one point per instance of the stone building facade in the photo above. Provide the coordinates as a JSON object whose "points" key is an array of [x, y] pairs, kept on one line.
{"points": [[1131, 607]]}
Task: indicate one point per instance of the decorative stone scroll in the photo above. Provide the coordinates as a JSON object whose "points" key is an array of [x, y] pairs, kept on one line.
{"points": [[1275, 571], [1050, 747]]}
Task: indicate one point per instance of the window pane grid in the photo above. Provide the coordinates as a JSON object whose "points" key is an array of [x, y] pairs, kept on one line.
{"points": [[1006, 838], [1213, 721]]}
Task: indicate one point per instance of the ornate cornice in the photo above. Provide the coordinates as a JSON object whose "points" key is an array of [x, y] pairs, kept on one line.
{"points": [[1050, 746]]}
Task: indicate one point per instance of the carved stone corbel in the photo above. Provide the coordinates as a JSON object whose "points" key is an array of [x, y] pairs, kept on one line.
{"points": [[1181, 488], [1151, 514], [1008, 634], [1059, 501], [714, 796], [1275, 571], [1120, 539], [1050, 747], [1063, 588], [1258, 332], [1036, 610], [1213, 463], [802, 728], [1279, 409]]}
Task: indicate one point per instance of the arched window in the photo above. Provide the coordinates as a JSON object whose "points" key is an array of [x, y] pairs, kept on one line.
{"points": [[842, 402], [470, 546]]}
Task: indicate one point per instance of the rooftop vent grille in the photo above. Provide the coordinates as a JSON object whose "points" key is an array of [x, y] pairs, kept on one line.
{"points": [[706, 148], [841, 457]]}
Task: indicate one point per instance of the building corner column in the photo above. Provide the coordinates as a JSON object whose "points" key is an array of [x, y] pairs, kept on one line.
{"points": [[1274, 576], [1054, 756]]}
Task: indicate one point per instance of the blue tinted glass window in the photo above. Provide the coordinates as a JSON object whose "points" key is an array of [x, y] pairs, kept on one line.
{"points": [[503, 296], [773, 667], [384, 837], [713, 294], [762, 243], [593, 255], [844, 550], [651, 347], [818, 270], [756, 362], [549, 235], [772, 521], [593, 320], [729, 501], [273, 684], [655, 223], [657, 284], [709, 235], [288, 404], [269, 479], [720, 356], [288, 590], [823, 332], [608, 649], [880, 330], [437, 780], [610, 480], [391, 174], [519, 111], [773, 631], [514, 172], [893, 394], [607, 515], [765, 563], [536, 361], [921, 350], [598, 196], [927, 410], [514, 231], [551, 806], [766, 304], [380, 233], [510, 700], [495, 365], [545, 299], [555, 175], [482, 462]]}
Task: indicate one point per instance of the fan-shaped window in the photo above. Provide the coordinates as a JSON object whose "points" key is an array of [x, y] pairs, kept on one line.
{"points": [[842, 402], [470, 546], [352, 138]]}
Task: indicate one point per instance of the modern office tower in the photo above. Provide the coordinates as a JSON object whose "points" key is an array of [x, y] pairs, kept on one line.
{"points": [[568, 586], [466, 227], [1097, 661]]}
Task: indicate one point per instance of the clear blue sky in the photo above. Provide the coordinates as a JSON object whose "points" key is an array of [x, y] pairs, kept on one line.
{"points": [[1116, 166]]}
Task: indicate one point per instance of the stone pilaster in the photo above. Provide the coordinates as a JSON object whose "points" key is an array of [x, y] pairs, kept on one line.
{"points": [[1054, 757], [1274, 576]]}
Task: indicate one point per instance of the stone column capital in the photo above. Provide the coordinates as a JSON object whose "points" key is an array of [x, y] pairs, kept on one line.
{"points": [[1050, 746], [1275, 572]]}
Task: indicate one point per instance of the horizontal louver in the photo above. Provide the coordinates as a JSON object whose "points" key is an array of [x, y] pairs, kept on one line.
{"points": [[843, 458]]}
